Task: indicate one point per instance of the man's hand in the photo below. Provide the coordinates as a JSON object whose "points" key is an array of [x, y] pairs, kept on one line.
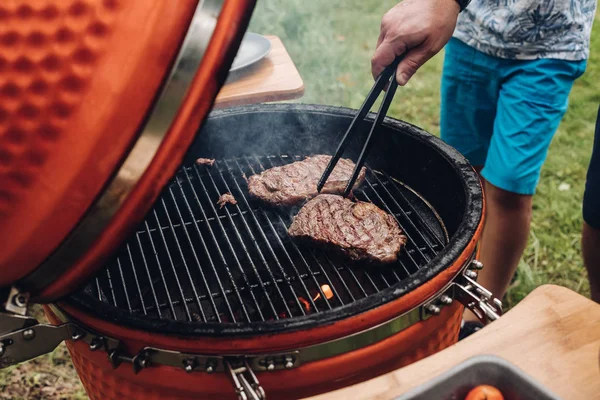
{"points": [[419, 28]]}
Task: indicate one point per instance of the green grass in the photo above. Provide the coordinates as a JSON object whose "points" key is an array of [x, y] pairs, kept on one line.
{"points": [[331, 43]]}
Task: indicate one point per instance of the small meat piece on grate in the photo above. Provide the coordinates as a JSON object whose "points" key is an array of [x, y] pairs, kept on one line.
{"points": [[294, 183], [226, 198], [206, 161], [361, 231]]}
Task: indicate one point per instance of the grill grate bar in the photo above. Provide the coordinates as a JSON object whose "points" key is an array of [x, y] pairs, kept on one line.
{"points": [[136, 279], [168, 252], [278, 240], [160, 270], [233, 252], [195, 256], [329, 262], [217, 295], [125, 291], [241, 241], [332, 265], [285, 229], [147, 268], [98, 289], [253, 240], [270, 248], [216, 242], [419, 216], [110, 286]]}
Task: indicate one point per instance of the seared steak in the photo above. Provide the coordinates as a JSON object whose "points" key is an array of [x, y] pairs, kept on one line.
{"points": [[361, 231], [293, 183]]}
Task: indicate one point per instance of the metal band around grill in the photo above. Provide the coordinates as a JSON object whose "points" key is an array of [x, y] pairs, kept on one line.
{"points": [[157, 125], [22, 338]]}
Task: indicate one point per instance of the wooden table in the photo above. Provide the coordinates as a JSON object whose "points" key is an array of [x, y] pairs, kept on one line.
{"points": [[275, 78], [553, 335]]}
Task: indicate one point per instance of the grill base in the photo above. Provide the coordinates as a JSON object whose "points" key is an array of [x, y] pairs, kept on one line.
{"points": [[425, 338]]}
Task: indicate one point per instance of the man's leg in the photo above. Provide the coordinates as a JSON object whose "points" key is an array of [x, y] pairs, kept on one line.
{"points": [[504, 237], [524, 126], [590, 244], [590, 238]]}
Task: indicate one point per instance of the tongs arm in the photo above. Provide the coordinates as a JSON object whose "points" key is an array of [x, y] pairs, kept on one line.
{"points": [[380, 84]]}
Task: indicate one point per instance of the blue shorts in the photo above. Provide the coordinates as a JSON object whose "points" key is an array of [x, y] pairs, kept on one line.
{"points": [[502, 114], [591, 197]]}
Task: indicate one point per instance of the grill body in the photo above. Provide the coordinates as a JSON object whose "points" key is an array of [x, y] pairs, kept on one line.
{"points": [[435, 171], [101, 381]]}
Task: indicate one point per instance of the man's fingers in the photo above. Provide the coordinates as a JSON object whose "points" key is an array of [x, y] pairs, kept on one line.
{"points": [[412, 62], [384, 55]]}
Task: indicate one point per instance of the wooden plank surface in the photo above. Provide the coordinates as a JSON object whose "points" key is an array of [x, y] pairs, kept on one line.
{"points": [[275, 78], [553, 335]]}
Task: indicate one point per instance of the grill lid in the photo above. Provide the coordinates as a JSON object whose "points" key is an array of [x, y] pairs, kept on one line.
{"points": [[131, 184]]}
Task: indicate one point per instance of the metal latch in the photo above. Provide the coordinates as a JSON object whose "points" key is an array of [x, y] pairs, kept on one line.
{"points": [[244, 380], [475, 297], [22, 338]]}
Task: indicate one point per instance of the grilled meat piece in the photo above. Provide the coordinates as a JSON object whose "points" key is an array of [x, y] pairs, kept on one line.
{"points": [[226, 198], [361, 231], [294, 183], [206, 161]]}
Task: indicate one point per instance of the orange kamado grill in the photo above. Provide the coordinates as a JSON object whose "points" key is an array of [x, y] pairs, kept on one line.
{"points": [[160, 293]]}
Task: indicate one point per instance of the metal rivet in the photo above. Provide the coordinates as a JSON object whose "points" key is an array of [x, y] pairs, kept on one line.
{"points": [[477, 265], [445, 299], [29, 334], [21, 300], [144, 361], [76, 335], [433, 309], [289, 362], [95, 344], [470, 274], [270, 365], [189, 364], [210, 367]]}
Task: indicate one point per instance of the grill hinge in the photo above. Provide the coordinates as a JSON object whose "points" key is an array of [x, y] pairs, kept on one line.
{"points": [[244, 380], [23, 338], [474, 296], [471, 294]]}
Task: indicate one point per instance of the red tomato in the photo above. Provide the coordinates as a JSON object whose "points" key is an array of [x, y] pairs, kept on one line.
{"points": [[484, 392]]}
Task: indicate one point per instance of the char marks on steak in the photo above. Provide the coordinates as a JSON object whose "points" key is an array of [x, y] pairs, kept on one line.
{"points": [[294, 183], [359, 230]]}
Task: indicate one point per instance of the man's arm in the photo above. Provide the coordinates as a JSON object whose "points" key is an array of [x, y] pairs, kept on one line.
{"points": [[419, 28]]}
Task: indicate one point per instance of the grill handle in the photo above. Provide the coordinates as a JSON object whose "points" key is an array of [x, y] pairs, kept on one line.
{"points": [[475, 297]]}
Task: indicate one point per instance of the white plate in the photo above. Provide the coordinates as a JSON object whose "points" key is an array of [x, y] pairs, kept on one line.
{"points": [[254, 48]]}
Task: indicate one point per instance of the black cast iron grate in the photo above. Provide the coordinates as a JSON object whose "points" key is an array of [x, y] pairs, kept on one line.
{"points": [[193, 261]]}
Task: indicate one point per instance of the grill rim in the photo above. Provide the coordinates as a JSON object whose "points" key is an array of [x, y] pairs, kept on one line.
{"points": [[443, 260]]}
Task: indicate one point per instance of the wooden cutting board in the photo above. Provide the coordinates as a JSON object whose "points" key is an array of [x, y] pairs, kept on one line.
{"points": [[553, 335], [275, 78]]}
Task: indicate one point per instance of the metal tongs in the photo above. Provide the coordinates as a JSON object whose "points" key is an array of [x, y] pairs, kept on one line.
{"points": [[380, 84]]}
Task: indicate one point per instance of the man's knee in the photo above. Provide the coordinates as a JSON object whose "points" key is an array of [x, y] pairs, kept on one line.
{"points": [[507, 200]]}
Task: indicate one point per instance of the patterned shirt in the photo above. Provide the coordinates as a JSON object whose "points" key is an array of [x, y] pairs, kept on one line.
{"points": [[528, 29]]}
